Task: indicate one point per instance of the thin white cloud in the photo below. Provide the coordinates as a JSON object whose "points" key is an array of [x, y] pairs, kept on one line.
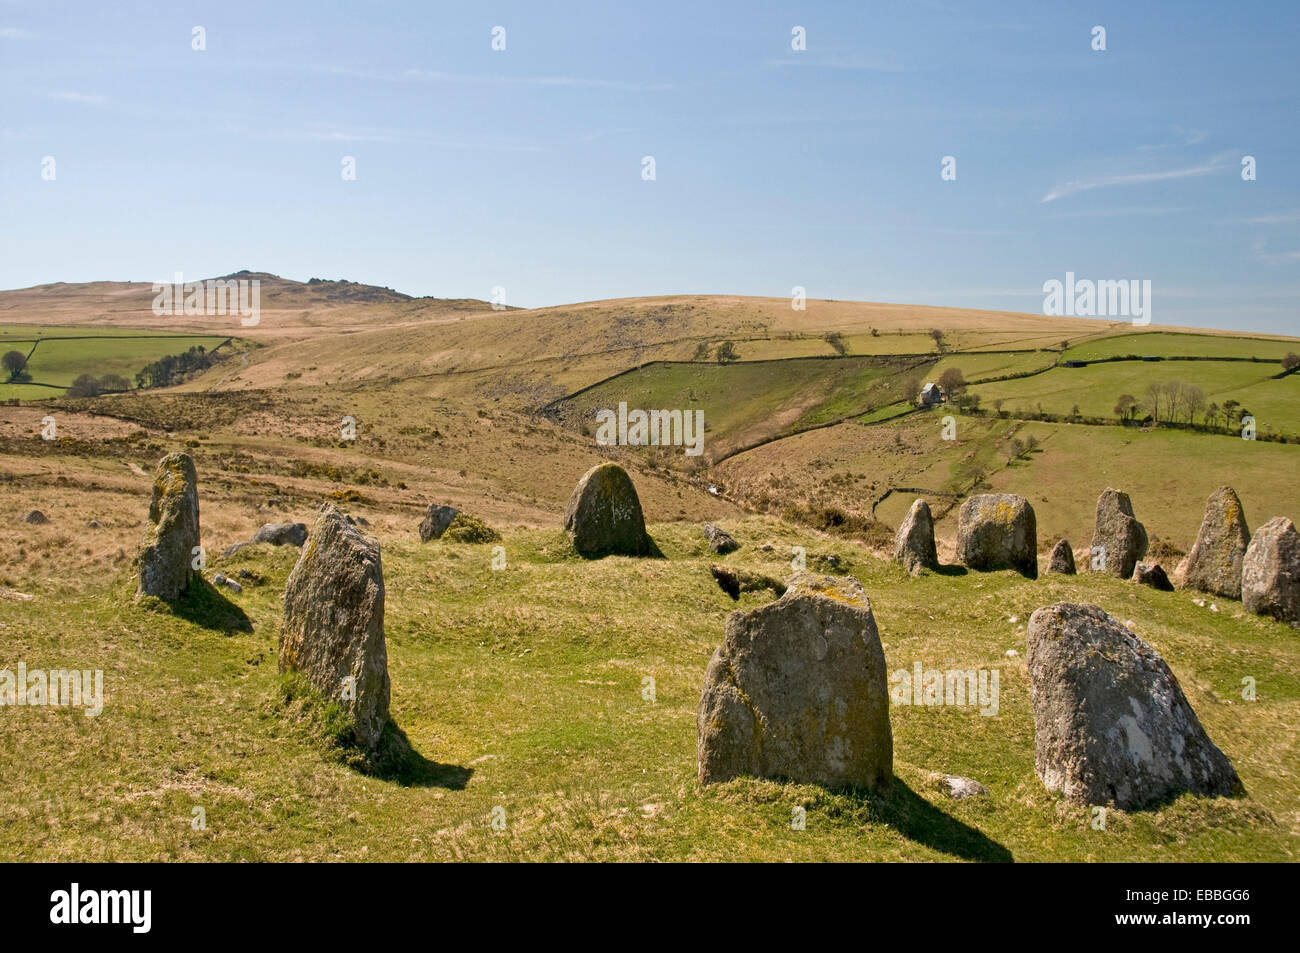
{"points": [[416, 75], [14, 33], [1277, 218], [74, 97], [873, 62], [1075, 186], [323, 132], [1126, 210]]}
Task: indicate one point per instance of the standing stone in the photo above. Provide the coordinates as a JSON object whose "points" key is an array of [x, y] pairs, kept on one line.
{"points": [[165, 565], [798, 691], [1153, 575], [334, 622], [1111, 724], [436, 520], [1270, 576], [604, 514], [914, 541], [1214, 564], [281, 534], [35, 518], [998, 531], [1124, 538], [1062, 560], [719, 540]]}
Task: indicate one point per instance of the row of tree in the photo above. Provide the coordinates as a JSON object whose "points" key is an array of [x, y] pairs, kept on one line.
{"points": [[1178, 402], [174, 368]]}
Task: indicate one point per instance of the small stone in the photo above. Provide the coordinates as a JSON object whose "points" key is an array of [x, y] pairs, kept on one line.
{"points": [[1153, 575], [719, 540], [35, 518]]}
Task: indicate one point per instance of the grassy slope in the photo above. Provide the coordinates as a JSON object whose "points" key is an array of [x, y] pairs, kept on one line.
{"points": [[523, 689]]}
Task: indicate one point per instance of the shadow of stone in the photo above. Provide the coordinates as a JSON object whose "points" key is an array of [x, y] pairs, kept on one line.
{"points": [[397, 761], [917, 819], [205, 606], [952, 570]]}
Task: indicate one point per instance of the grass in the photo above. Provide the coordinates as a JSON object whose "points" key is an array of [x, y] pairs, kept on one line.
{"points": [[1096, 388], [747, 402], [64, 354], [523, 689], [1177, 344]]}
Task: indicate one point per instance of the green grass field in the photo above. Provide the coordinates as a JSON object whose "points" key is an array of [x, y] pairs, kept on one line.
{"points": [[86, 351], [1096, 388], [744, 402], [524, 689], [1177, 344]]}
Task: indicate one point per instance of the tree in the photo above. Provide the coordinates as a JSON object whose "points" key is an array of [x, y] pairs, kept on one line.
{"points": [[15, 362], [1074, 412], [912, 389], [114, 382], [1151, 400], [1230, 413], [84, 386], [952, 383], [1193, 402], [836, 341], [1126, 406], [701, 352], [726, 353], [938, 339], [997, 406], [1211, 415], [1291, 361]]}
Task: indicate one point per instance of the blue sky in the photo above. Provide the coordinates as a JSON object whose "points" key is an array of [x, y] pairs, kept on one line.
{"points": [[774, 167]]}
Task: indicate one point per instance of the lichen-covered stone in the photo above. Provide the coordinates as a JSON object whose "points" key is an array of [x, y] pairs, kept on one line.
{"points": [[1124, 539], [1214, 564], [1111, 724], [1062, 560], [334, 623], [798, 691], [604, 514], [436, 520], [1153, 575], [719, 540], [1270, 577], [165, 566], [998, 531], [914, 542]]}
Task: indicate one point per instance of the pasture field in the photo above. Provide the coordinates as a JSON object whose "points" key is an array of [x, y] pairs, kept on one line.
{"points": [[1096, 388], [65, 353], [745, 402], [525, 689], [1176, 344]]}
